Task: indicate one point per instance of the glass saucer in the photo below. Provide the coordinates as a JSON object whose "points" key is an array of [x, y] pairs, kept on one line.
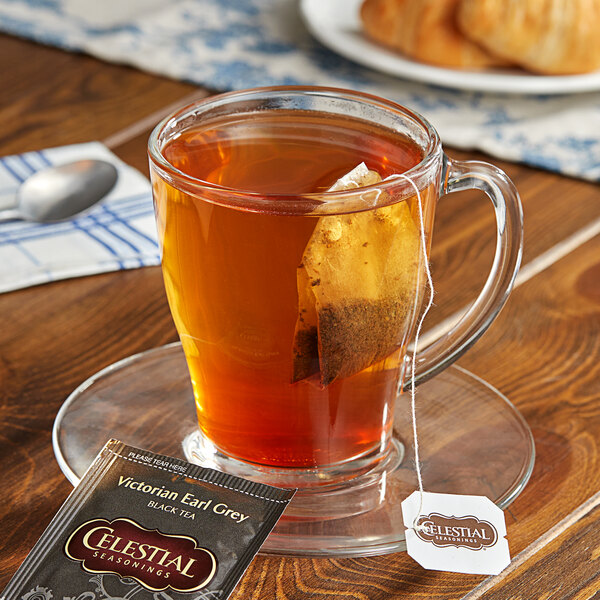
{"points": [[472, 441]]}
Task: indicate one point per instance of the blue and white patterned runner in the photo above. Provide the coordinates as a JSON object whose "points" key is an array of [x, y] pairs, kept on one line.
{"points": [[233, 44], [118, 233]]}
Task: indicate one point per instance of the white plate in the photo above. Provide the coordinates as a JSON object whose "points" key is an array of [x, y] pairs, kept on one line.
{"points": [[336, 24]]}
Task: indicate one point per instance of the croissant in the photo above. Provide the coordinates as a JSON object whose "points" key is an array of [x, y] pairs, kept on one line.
{"points": [[424, 30], [545, 36]]}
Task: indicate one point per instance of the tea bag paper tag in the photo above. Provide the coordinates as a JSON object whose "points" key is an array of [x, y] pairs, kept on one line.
{"points": [[452, 532]]}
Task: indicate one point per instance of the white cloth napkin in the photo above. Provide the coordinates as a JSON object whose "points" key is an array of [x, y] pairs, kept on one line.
{"points": [[118, 233], [233, 44]]}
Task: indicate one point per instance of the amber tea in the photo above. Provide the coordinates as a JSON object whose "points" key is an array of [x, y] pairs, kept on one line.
{"points": [[294, 351]]}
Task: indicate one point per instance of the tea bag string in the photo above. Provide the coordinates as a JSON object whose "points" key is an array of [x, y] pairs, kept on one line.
{"points": [[413, 392]]}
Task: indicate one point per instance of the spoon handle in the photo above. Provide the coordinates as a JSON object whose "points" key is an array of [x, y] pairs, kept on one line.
{"points": [[8, 201], [10, 214]]}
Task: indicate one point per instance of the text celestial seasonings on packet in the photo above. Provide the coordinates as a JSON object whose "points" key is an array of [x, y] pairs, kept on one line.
{"points": [[151, 525]]}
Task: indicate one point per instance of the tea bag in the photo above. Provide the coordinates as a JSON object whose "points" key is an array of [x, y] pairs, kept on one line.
{"points": [[357, 285]]}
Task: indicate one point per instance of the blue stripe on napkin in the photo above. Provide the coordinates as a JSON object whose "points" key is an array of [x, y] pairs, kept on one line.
{"points": [[118, 233]]}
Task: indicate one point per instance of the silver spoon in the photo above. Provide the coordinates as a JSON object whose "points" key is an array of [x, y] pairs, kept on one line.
{"points": [[57, 193]]}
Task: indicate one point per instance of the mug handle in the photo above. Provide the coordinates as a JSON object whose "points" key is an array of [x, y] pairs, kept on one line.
{"points": [[466, 175]]}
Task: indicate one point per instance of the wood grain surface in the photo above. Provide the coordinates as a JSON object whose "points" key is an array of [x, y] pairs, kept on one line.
{"points": [[543, 351]]}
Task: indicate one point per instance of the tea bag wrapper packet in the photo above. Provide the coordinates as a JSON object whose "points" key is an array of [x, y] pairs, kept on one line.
{"points": [[358, 284], [152, 526]]}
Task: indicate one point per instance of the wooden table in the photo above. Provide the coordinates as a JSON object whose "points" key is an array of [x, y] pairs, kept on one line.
{"points": [[543, 351]]}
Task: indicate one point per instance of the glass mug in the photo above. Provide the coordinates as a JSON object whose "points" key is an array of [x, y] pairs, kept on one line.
{"points": [[295, 303]]}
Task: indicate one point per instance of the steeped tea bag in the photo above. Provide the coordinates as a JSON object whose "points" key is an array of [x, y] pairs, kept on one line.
{"points": [[358, 285]]}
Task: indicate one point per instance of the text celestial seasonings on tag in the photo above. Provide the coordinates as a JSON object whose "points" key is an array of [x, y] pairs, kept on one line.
{"points": [[454, 532]]}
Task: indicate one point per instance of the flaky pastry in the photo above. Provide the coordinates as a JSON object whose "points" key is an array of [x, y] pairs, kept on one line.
{"points": [[545, 36], [425, 30]]}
